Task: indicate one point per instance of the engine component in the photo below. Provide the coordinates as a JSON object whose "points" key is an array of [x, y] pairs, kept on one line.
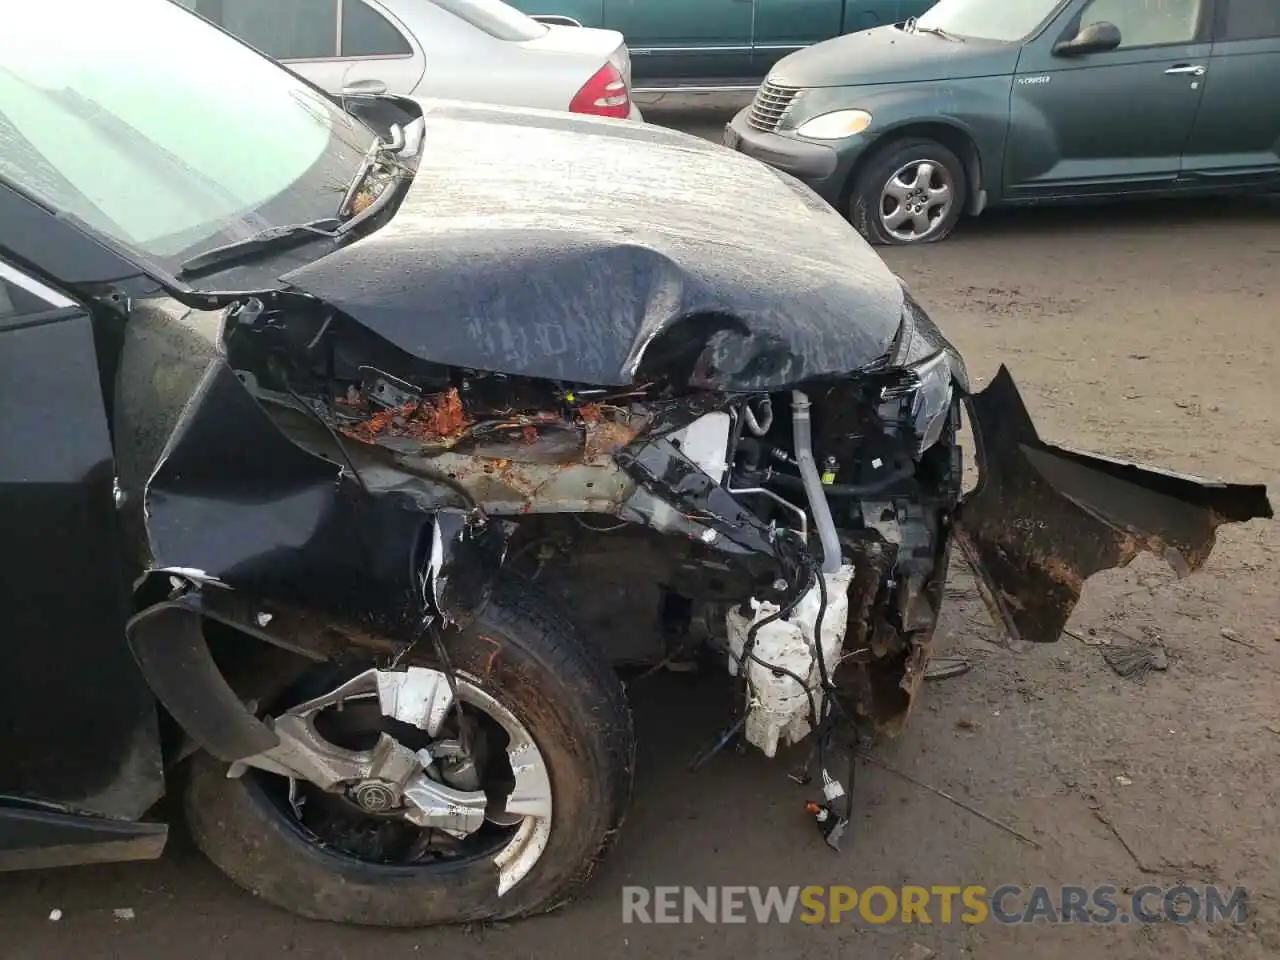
{"points": [[813, 483], [780, 652]]}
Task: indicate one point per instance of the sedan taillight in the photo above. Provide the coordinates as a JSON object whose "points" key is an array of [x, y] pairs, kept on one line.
{"points": [[605, 95]]}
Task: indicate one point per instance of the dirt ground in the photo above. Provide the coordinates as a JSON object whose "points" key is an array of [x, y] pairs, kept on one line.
{"points": [[1139, 331]]}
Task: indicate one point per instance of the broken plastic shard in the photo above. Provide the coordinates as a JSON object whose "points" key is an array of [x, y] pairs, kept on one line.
{"points": [[940, 668]]}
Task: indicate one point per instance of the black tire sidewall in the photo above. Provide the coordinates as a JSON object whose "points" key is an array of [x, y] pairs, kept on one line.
{"points": [[868, 185], [528, 657]]}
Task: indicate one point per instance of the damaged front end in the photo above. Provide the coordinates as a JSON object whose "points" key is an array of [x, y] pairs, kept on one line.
{"points": [[665, 517], [799, 531]]}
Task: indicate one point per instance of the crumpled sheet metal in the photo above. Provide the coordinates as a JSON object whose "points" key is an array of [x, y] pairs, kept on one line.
{"points": [[637, 268], [1043, 519]]}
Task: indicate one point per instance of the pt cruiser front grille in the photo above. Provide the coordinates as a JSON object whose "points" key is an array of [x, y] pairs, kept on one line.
{"points": [[770, 105]]}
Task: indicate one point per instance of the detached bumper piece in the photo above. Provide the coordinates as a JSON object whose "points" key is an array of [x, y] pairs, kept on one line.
{"points": [[1044, 519]]}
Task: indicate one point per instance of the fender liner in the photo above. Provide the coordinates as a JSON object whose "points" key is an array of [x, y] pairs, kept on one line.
{"points": [[168, 643]]}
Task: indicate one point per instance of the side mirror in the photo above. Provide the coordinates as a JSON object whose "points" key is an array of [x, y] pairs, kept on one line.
{"points": [[1093, 38]]}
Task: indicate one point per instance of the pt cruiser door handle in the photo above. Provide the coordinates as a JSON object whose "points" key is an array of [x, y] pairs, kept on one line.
{"points": [[1186, 70]]}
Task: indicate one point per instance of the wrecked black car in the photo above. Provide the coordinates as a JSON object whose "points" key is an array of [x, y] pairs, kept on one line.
{"points": [[348, 449]]}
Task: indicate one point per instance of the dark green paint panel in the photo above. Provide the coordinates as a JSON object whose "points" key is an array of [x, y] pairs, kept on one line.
{"points": [[706, 40], [1185, 103]]}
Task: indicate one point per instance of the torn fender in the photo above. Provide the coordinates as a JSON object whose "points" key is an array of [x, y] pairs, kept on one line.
{"points": [[168, 643], [1044, 519], [467, 550]]}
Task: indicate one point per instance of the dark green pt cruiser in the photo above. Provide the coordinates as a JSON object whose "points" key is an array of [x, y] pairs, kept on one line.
{"points": [[979, 103]]}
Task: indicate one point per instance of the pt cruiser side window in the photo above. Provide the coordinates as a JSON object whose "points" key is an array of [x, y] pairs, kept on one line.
{"points": [[1249, 20], [1148, 23]]}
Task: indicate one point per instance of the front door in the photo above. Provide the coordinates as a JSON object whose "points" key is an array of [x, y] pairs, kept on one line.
{"points": [[1112, 122], [692, 40], [77, 721], [1236, 137], [353, 46]]}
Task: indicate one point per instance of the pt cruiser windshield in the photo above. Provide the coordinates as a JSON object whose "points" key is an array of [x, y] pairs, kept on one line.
{"points": [[1005, 20]]}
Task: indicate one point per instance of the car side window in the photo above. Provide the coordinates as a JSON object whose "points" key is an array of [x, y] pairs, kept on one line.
{"points": [[283, 29], [367, 33], [1249, 20], [1147, 23], [23, 297]]}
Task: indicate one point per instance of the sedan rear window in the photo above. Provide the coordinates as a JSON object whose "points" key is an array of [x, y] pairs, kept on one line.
{"points": [[367, 33], [495, 18]]}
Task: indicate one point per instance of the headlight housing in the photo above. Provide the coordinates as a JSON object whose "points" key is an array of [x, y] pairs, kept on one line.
{"points": [[928, 368], [836, 125], [931, 403]]}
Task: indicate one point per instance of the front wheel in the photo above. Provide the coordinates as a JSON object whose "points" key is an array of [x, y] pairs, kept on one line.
{"points": [[536, 800], [911, 191]]}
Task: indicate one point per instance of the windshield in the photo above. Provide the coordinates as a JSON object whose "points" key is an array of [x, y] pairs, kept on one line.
{"points": [[161, 131], [496, 18], [1006, 20]]}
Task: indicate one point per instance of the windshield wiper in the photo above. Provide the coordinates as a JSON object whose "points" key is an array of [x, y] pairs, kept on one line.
{"points": [[271, 238], [377, 150], [939, 32]]}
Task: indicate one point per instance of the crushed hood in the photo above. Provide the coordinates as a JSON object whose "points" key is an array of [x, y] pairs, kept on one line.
{"points": [[610, 252]]}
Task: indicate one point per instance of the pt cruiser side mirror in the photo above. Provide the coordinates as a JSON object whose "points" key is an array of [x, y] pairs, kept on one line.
{"points": [[1094, 38]]}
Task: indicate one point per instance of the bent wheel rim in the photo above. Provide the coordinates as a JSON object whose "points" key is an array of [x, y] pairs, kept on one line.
{"points": [[421, 698]]}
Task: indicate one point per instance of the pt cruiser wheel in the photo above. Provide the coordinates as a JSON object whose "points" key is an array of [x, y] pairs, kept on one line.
{"points": [[507, 819], [912, 191]]}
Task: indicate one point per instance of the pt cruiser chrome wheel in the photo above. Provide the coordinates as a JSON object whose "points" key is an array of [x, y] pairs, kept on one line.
{"points": [[916, 200]]}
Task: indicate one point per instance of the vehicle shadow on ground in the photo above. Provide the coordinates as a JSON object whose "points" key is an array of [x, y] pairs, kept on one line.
{"points": [[1119, 217]]}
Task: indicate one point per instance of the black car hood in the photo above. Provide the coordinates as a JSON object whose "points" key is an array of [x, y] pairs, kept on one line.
{"points": [[609, 252], [892, 55]]}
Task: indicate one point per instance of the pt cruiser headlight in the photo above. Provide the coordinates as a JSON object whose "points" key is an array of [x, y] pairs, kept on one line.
{"points": [[836, 125]]}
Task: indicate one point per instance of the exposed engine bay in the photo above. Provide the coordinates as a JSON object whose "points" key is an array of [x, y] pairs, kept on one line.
{"points": [[702, 506]]}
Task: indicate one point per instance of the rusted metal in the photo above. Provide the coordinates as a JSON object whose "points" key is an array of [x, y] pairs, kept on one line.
{"points": [[431, 420], [537, 461], [606, 437]]}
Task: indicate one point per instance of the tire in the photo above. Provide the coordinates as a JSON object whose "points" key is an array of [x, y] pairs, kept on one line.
{"points": [[868, 194], [572, 704]]}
